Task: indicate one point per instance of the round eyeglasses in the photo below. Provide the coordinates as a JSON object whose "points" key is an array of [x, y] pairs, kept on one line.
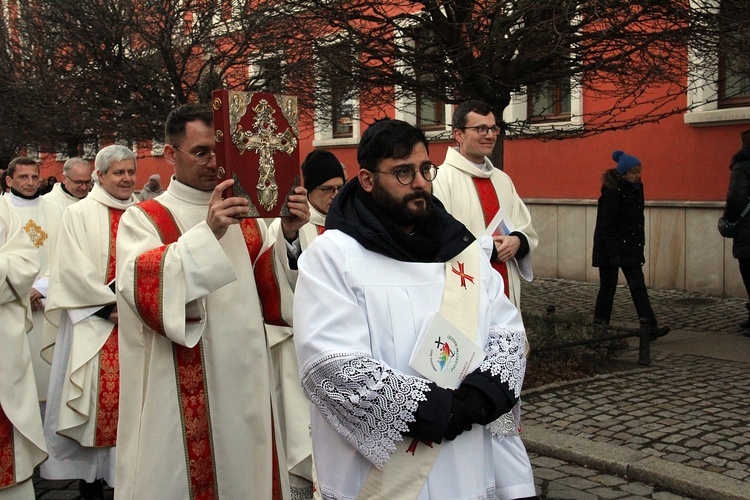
{"points": [[484, 129], [200, 158], [406, 175]]}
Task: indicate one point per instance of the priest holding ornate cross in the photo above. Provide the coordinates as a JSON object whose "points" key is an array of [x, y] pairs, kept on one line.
{"points": [[392, 274], [196, 417]]}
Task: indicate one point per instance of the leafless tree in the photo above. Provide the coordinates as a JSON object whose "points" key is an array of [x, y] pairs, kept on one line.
{"points": [[112, 70], [618, 51], [78, 70]]}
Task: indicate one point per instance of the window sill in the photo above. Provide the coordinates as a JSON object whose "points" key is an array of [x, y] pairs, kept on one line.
{"points": [[342, 141], [540, 128], [717, 117]]}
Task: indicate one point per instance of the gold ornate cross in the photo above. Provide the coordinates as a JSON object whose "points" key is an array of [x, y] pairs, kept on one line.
{"points": [[266, 142]]}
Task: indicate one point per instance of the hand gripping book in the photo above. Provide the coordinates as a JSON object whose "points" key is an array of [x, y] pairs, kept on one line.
{"points": [[257, 145]]}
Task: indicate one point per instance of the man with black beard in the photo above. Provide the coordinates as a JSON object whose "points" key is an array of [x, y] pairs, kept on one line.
{"points": [[391, 260]]}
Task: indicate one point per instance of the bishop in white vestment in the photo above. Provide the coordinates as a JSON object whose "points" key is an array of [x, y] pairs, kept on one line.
{"points": [[82, 405], [194, 355], [21, 439]]}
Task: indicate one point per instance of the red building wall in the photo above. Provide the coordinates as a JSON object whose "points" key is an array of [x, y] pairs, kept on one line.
{"points": [[680, 162]]}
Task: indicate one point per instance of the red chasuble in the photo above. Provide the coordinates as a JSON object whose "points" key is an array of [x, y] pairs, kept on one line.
{"points": [[256, 138], [490, 206], [7, 453]]}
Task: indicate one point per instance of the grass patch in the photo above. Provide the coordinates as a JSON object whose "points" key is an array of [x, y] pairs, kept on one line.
{"points": [[568, 363]]}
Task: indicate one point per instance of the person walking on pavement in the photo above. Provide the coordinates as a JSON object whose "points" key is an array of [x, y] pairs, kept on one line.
{"points": [[619, 238], [738, 196]]}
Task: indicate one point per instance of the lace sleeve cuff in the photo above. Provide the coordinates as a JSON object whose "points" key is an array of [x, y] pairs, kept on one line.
{"points": [[506, 357], [367, 402]]}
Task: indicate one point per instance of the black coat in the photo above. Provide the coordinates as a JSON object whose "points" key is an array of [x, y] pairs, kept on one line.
{"points": [[619, 236], [738, 196]]}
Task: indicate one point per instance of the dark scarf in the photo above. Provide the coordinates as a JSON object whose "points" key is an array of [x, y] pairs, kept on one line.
{"points": [[437, 239], [32, 197], [66, 190]]}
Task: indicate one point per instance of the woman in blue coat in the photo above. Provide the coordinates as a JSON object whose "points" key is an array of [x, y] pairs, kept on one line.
{"points": [[619, 239]]}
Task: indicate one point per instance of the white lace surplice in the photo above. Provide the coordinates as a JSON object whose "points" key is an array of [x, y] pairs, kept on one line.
{"points": [[357, 316]]}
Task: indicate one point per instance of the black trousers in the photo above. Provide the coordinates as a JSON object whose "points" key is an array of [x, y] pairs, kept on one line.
{"points": [[745, 273], [608, 287]]}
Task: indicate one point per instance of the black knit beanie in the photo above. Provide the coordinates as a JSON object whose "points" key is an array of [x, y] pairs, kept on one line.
{"points": [[319, 167]]}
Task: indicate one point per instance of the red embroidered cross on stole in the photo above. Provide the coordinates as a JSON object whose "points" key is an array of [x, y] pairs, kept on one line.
{"points": [[490, 205], [7, 453], [109, 359]]}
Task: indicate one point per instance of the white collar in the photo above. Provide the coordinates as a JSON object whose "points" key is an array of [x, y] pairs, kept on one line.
{"points": [[188, 194]]}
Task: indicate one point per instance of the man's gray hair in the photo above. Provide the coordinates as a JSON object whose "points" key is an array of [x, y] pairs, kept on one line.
{"points": [[108, 156], [72, 162]]}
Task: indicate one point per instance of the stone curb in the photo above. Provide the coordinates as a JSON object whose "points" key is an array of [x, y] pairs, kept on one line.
{"points": [[634, 464]]}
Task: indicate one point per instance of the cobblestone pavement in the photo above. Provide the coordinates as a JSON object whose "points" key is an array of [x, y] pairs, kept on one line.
{"points": [[684, 409], [687, 410], [679, 310], [558, 479]]}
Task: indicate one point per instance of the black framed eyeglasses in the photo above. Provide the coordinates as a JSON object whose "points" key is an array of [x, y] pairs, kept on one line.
{"points": [[200, 158], [406, 175], [484, 129], [330, 189], [81, 183]]}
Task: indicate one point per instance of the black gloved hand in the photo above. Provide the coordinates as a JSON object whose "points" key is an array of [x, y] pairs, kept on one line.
{"points": [[459, 420], [478, 406]]}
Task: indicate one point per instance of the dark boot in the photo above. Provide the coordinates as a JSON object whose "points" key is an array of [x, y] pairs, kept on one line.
{"points": [[654, 331], [91, 491], [658, 332], [746, 324]]}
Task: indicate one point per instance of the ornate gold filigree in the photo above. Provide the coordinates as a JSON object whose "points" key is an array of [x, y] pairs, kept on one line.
{"points": [[288, 106], [264, 140], [36, 233]]}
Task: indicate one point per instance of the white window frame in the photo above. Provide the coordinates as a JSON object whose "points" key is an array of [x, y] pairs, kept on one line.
{"points": [[157, 148], [255, 67], [703, 90], [406, 102], [517, 112], [322, 123]]}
